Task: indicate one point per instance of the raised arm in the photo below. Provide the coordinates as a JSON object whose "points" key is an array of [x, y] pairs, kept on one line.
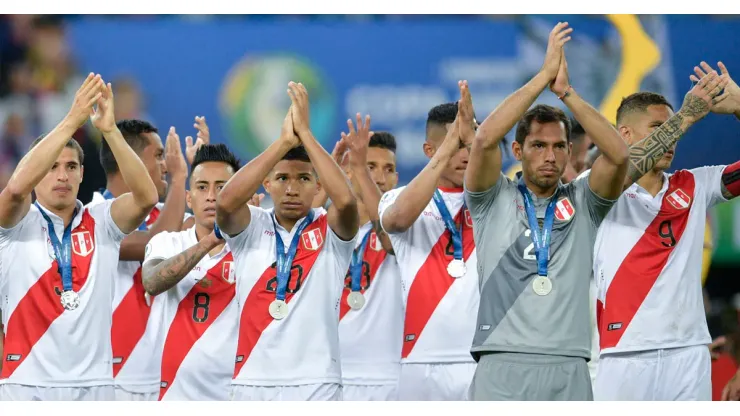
{"points": [[232, 212], [15, 198], [608, 173], [128, 210], [338, 154], [484, 163], [411, 202], [159, 275], [173, 212], [696, 105], [358, 141], [727, 103], [342, 215]]}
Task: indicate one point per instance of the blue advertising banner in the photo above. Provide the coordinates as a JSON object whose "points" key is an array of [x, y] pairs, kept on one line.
{"points": [[235, 71]]}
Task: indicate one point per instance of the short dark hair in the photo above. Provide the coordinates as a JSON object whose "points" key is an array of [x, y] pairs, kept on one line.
{"points": [[132, 131], [576, 131], [215, 153], [71, 143], [441, 115], [542, 114], [383, 140], [297, 153], [639, 101]]}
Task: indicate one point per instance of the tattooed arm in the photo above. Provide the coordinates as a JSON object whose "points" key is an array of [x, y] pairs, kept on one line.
{"points": [[696, 105], [161, 275]]}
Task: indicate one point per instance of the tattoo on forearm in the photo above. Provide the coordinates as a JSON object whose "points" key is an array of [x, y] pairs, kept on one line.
{"points": [[382, 235], [169, 272], [648, 151], [645, 154]]}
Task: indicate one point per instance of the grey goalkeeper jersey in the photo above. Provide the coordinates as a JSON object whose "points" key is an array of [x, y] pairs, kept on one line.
{"points": [[512, 317]]}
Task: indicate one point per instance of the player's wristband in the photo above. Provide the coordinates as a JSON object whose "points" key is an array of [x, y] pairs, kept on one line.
{"points": [[566, 93], [217, 232]]}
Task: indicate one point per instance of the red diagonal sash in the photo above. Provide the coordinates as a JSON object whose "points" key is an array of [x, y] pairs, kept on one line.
{"points": [[196, 312], [432, 282], [41, 305], [643, 265], [255, 316], [129, 322], [371, 260]]}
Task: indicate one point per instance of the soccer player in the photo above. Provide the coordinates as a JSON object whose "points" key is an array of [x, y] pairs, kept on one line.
{"points": [[55, 258], [431, 234], [371, 308], [290, 265], [136, 378], [533, 338], [194, 318], [648, 253]]}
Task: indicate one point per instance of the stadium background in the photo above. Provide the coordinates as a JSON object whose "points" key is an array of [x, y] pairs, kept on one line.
{"points": [[234, 71]]}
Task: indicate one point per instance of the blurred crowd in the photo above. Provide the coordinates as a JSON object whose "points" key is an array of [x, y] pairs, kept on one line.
{"points": [[38, 80]]}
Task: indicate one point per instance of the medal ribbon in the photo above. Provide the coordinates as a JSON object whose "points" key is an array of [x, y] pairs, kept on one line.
{"points": [[108, 195], [63, 250], [541, 239], [285, 260], [450, 224], [355, 268]]}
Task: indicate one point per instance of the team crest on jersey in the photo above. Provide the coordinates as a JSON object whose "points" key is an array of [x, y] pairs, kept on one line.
{"points": [[468, 218], [679, 199], [375, 242], [564, 210], [82, 243], [312, 240], [227, 271]]}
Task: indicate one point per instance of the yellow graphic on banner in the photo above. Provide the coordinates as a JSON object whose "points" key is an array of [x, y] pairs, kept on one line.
{"points": [[640, 55]]}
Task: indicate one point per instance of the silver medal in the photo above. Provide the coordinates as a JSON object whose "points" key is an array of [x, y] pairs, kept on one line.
{"points": [[278, 309], [70, 300], [542, 285], [457, 268], [356, 300]]}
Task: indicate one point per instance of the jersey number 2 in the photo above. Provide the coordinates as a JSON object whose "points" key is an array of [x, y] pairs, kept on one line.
{"points": [[529, 251]]}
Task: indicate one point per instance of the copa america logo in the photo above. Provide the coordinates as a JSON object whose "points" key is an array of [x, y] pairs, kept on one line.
{"points": [[253, 100]]}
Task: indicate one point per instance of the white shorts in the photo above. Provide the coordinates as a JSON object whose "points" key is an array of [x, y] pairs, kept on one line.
{"points": [[657, 375], [368, 393], [444, 381], [123, 395], [306, 392], [19, 392]]}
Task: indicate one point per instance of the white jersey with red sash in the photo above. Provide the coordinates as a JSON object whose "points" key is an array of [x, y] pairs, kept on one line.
{"points": [[131, 310], [197, 323], [303, 347], [441, 310], [45, 344], [647, 264], [370, 338]]}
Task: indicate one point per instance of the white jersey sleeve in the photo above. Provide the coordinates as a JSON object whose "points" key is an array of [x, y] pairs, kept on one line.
{"points": [[7, 235], [399, 241], [260, 217], [710, 179], [337, 245], [112, 230], [160, 247]]}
